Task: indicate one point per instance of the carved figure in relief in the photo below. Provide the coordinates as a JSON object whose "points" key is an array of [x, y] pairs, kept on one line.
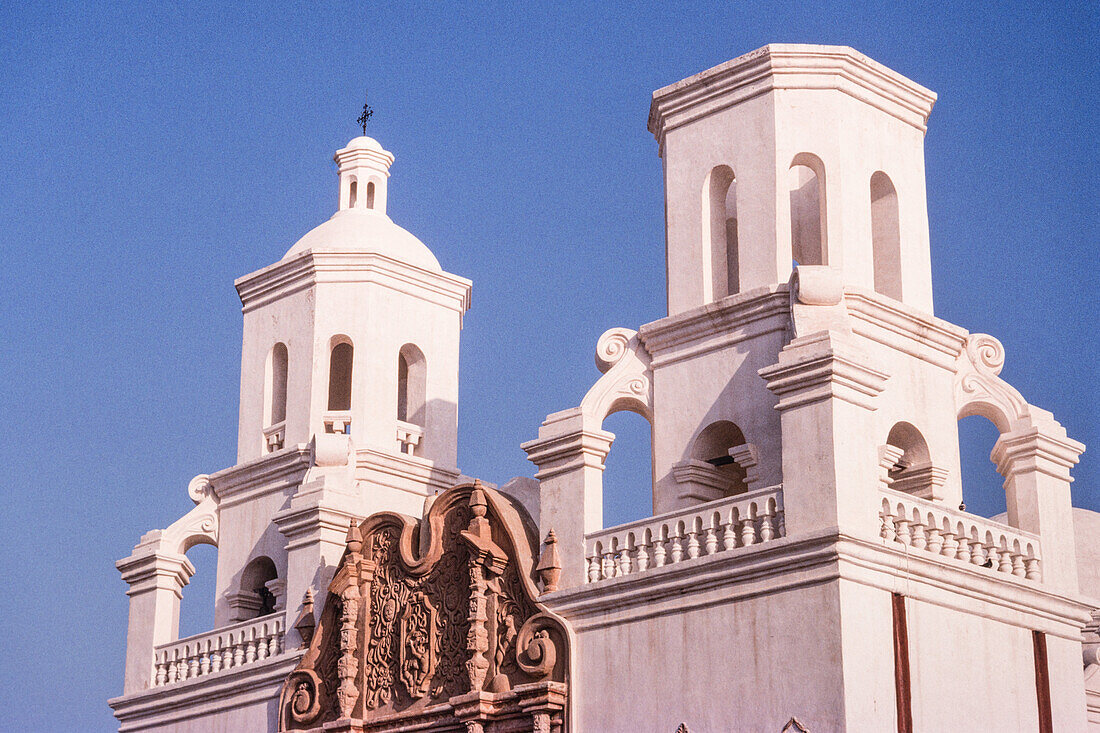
{"points": [[419, 642]]}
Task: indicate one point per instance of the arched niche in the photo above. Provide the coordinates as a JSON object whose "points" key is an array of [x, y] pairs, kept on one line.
{"points": [[806, 192], [720, 240], [353, 193], [719, 464], [885, 236], [907, 463], [275, 380], [411, 385], [370, 194], [254, 596], [341, 353]]}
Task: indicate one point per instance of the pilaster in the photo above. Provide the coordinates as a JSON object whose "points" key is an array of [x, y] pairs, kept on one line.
{"points": [[570, 453], [156, 578], [315, 523], [825, 389], [1036, 463]]}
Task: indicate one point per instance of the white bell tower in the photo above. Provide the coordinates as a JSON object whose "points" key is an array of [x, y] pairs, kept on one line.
{"points": [[350, 351]]}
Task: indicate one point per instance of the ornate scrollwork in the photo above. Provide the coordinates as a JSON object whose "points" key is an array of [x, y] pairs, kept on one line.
{"points": [[305, 699], [626, 383], [978, 389], [200, 487], [410, 624], [538, 654], [612, 346]]}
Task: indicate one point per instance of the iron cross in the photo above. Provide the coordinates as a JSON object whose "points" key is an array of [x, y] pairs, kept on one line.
{"points": [[367, 112]]}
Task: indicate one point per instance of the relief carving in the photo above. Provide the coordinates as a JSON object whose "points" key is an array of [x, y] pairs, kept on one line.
{"points": [[424, 612]]}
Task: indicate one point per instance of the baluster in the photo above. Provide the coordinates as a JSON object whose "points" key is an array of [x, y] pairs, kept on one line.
{"points": [[216, 655], [677, 548], [250, 648], [624, 563], [238, 653], [261, 646], [193, 665], [767, 528], [935, 539], [693, 544], [712, 541], [748, 531], [964, 547], [273, 643], [659, 553], [781, 524], [729, 534], [1006, 559], [887, 531], [977, 552], [1032, 571], [1018, 565], [593, 568], [642, 557], [904, 536], [607, 566], [950, 544], [204, 662], [227, 654], [171, 671], [162, 670], [917, 531], [282, 641]]}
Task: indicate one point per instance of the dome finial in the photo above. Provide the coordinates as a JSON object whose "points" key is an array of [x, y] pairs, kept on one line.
{"points": [[367, 114]]}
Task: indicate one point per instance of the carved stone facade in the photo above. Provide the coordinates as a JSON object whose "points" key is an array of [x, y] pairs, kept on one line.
{"points": [[435, 623]]}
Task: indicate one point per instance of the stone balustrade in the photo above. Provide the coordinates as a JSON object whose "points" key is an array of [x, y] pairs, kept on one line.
{"points": [[230, 646], [702, 530], [938, 530]]}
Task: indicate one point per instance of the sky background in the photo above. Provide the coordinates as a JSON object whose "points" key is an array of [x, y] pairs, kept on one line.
{"points": [[154, 152]]}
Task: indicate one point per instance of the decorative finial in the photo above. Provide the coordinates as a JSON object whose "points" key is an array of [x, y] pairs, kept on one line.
{"points": [[367, 112]]}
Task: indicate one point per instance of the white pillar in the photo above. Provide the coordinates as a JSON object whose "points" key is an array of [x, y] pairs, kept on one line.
{"points": [[156, 578], [1036, 462], [570, 453]]}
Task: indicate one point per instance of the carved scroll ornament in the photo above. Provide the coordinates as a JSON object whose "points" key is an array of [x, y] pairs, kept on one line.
{"points": [[978, 388], [627, 383], [409, 625]]}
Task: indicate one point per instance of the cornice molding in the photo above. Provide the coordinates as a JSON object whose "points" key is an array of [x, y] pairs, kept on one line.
{"points": [[274, 472], [163, 707], [789, 66], [349, 266], [812, 559], [716, 325]]}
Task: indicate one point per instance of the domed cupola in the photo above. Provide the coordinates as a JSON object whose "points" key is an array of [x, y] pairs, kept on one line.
{"points": [[361, 224], [355, 331]]}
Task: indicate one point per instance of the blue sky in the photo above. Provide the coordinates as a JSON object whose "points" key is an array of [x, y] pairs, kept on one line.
{"points": [[154, 152]]}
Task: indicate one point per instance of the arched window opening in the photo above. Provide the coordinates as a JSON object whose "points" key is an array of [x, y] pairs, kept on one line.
{"points": [[807, 198], [628, 472], [713, 471], [277, 362], [353, 193], [885, 236], [197, 604], [411, 399], [339, 376], [720, 261], [908, 464], [256, 597], [370, 194], [982, 485]]}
